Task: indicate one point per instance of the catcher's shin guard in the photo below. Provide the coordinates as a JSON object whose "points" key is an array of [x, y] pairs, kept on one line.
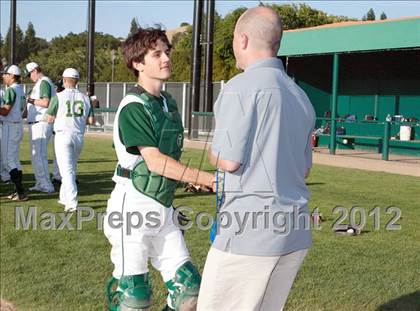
{"points": [[130, 293], [183, 288]]}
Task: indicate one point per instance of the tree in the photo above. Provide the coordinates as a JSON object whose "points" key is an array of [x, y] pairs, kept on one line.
{"points": [[70, 51], [383, 16], [224, 64], [20, 48], [1, 48], [30, 42], [370, 15], [134, 26], [184, 24]]}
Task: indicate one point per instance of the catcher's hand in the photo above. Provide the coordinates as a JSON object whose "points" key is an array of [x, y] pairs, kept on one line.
{"points": [[197, 188]]}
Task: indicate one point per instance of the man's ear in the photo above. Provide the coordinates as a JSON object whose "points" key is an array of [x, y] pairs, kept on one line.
{"points": [[244, 41], [138, 66]]}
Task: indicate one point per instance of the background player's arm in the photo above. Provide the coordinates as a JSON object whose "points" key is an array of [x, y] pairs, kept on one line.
{"points": [[45, 96], [52, 110], [90, 120], [50, 119], [41, 102], [164, 165], [9, 100]]}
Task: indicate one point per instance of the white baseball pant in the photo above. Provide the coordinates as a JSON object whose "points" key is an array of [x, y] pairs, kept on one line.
{"points": [[68, 147], [56, 171], [132, 247], [4, 174], [11, 136], [39, 135]]}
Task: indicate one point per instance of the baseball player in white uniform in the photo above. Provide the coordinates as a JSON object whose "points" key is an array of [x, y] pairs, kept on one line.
{"points": [[12, 131], [69, 110], [56, 177], [40, 130], [148, 140], [4, 174]]}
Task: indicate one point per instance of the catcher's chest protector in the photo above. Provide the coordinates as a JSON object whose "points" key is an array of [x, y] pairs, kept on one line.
{"points": [[167, 126]]}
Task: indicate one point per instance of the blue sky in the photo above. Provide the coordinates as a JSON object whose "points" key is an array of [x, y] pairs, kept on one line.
{"points": [[53, 18]]}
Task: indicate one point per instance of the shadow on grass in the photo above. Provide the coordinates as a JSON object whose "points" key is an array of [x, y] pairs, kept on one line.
{"points": [[314, 183], [407, 303], [97, 161], [193, 194]]}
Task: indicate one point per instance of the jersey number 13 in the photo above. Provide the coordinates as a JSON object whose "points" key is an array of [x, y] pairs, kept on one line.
{"points": [[74, 109]]}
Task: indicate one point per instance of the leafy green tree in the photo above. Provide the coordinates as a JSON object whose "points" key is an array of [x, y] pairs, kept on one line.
{"points": [[134, 26], [20, 48], [383, 16], [370, 15], [71, 50], [1, 48], [224, 64], [32, 44], [181, 55], [30, 41]]}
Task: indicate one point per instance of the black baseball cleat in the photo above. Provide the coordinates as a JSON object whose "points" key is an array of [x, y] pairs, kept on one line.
{"points": [[56, 182]]}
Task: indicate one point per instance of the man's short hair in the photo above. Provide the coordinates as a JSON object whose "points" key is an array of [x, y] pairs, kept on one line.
{"points": [[135, 47]]}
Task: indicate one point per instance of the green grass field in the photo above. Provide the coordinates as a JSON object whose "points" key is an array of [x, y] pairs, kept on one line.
{"points": [[68, 269]]}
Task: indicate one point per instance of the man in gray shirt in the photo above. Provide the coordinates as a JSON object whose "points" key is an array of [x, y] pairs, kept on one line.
{"points": [[264, 123]]}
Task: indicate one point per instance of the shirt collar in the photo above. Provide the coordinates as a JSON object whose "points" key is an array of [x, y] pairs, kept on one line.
{"points": [[272, 62]]}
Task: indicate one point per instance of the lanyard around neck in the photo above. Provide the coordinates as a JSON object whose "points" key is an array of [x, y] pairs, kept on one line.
{"points": [[165, 105]]}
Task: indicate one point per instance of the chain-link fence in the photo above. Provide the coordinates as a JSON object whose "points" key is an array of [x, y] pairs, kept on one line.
{"points": [[110, 94]]}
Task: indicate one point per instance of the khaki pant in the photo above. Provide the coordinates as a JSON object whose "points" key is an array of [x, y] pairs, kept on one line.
{"points": [[247, 283]]}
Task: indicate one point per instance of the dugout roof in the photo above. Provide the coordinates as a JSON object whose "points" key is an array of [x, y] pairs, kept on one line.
{"points": [[354, 36]]}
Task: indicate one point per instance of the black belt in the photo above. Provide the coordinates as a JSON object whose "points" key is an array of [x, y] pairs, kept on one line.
{"points": [[124, 172], [33, 122]]}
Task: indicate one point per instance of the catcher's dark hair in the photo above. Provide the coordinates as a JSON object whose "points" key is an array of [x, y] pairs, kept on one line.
{"points": [[135, 47]]}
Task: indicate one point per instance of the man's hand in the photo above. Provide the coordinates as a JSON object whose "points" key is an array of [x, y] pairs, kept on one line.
{"points": [[5, 109]]}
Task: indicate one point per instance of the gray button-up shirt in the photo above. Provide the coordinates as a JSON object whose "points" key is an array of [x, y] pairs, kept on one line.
{"points": [[264, 121]]}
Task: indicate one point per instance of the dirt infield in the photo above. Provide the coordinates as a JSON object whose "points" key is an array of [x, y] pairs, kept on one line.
{"points": [[362, 160]]}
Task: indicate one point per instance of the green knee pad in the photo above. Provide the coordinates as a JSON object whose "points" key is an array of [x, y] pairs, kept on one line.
{"points": [[183, 288], [130, 293]]}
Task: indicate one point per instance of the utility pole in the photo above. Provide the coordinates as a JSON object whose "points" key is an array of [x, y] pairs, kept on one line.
{"points": [[91, 49], [12, 58], [208, 88], [195, 66]]}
